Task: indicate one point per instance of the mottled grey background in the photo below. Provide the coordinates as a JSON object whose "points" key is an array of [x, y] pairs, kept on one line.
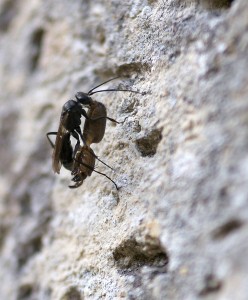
{"points": [[177, 228]]}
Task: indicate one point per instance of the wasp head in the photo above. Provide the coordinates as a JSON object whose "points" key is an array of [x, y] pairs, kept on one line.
{"points": [[83, 98]]}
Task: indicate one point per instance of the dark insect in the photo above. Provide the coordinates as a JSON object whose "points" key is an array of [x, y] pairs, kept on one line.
{"points": [[69, 125], [84, 165], [95, 123], [77, 160], [64, 154]]}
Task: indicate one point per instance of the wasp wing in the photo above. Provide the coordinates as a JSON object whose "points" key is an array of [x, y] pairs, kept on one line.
{"points": [[59, 144]]}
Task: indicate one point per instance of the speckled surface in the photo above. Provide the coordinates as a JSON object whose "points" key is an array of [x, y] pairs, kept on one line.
{"points": [[177, 228]]}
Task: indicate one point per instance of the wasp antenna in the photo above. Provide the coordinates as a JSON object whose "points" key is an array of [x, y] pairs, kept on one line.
{"points": [[89, 92], [116, 90]]}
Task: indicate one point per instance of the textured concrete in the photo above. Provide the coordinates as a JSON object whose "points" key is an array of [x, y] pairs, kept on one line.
{"points": [[177, 228]]}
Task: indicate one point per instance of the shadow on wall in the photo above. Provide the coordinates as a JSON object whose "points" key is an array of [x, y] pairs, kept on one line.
{"points": [[216, 4]]}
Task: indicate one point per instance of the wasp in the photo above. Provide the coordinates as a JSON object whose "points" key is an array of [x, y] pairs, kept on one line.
{"points": [[69, 126], [66, 154], [70, 121]]}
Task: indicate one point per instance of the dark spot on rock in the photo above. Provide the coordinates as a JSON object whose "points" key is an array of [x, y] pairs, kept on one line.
{"points": [[216, 4], [3, 232], [147, 145], [124, 70], [223, 192], [27, 249], [25, 292], [211, 285], [72, 294], [9, 120], [32, 291], [25, 204], [227, 228], [7, 13], [100, 34], [35, 48], [129, 68], [131, 255]]}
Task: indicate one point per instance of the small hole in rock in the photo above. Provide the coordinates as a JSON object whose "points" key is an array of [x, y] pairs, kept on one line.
{"points": [[26, 250], [148, 144], [132, 255], [134, 67], [72, 294], [25, 292]]}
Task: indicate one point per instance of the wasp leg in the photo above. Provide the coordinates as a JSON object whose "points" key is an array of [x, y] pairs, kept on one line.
{"points": [[108, 178], [99, 160], [76, 185], [79, 132], [98, 173]]}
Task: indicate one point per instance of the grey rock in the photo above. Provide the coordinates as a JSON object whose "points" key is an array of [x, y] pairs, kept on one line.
{"points": [[177, 228]]}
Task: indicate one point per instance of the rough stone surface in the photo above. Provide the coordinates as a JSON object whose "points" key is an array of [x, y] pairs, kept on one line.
{"points": [[177, 228]]}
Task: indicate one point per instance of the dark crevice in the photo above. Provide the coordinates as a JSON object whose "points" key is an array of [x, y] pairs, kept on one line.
{"points": [[26, 250], [25, 204], [129, 68], [216, 4], [8, 11], [3, 233], [36, 48], [72, 294], [147, 145], [132, 255], [227, 228], [124, 70], [8, 123], [211, 285], [25, 292]]}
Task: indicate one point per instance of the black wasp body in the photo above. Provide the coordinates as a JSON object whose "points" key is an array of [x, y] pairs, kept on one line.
{"points": [[69, 126]]}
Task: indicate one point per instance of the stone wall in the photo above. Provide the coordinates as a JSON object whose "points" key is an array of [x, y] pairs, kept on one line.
{"points": [[177, 227]]}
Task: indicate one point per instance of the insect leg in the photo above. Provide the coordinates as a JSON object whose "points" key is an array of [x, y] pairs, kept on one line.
{"points": [[76, 148], [113, 120], [108, 178], [97, 172], [76, 185], [51, 133], [78, 131], [100, 160]]}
